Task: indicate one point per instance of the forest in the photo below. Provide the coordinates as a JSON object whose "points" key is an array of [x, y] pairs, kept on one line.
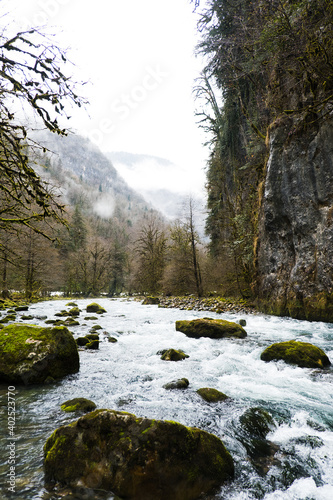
{"points": [[266, 62]]}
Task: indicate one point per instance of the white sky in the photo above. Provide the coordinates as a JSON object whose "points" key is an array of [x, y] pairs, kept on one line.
{"points": [[138, 56]]}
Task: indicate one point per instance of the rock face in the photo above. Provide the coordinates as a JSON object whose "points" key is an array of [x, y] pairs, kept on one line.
{"points": [[32, 354], [136, 458], [302, 354], [213, 328], [295, 244]]}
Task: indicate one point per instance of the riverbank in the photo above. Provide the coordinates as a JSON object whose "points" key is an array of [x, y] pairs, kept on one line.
{"points": [[214, 304]]}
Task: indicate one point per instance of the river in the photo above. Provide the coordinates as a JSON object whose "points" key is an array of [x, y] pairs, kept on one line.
{"points": [[129, 376]]}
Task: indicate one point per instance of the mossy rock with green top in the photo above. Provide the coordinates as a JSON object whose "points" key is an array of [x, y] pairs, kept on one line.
{"points": [[151, 301], [212, 328], [78, 405], [302, 354], [31, 354], [136, 458], [211, 395], [173, 355], [95, 308]]}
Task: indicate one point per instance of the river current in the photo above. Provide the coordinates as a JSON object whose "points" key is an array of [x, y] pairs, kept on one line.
{"points": [[129, 376]]}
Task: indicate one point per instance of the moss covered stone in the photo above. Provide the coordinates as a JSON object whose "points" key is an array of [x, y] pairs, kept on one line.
{"points": [[211, 395], [213, 328], [31, 354], [95, 308], [181, 383], [136, 458], [151, 301], [303, 354], [173, 355], [78, 405], [92, 344]]}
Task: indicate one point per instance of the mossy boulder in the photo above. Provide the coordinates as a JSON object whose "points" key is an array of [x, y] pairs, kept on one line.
{"points": [[181, 383], [30, 354], [151, 301], [136, 458], [95, 308], [78, 405], [211, 395], [303, 354], [173, 355], [92, 344], [74, 311], [213, 328]]}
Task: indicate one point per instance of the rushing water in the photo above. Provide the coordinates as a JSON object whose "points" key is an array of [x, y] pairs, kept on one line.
{"points": [[129, 376]]}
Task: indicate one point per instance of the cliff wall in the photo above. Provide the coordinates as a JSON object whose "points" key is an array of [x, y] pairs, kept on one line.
{"points": [[295, 241]]}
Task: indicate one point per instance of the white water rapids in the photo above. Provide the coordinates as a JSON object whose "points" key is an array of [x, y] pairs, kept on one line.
{"points": [[129, 376]]}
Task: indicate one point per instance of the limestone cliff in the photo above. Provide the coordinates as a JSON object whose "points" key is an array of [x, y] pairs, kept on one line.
{"points": [[295, 240]]}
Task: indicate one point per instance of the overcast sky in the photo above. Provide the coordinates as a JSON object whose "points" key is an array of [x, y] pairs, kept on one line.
{"points": [[138, 57]]}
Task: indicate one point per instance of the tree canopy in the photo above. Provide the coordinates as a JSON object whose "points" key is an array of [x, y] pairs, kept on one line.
{"points": [[32, 82]]}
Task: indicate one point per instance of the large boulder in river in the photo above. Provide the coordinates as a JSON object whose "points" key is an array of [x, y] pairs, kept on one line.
{"points": [[136, 458], [213, 328], [95, 308], [293, 352], [31, 354]]}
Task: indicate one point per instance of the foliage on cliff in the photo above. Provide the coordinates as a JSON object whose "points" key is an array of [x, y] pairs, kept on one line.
{"points": [[265, 60]]}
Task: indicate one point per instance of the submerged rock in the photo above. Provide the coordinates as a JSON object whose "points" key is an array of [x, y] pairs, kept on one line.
{"points": [[256, 423], [181, 383], [211, 395], [213, 328], [303, 354], [32, 354], [173, 355], [78, 405], [95, 308], [136, 458]]}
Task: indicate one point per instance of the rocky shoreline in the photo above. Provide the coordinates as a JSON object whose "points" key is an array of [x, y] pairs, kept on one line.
{"points": [[214, 304]]}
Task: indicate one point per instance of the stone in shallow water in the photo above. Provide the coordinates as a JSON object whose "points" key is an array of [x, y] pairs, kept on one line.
{"points": [[136, 458], [173, 355]]}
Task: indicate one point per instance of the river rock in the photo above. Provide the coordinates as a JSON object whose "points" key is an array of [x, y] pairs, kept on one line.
{"points": [[75, 311], [173, 355], [93, 344], [303, 354], [95, 308], [78, 405], [136, 458], [32, 354], [211, 395], [82, 341], [213, 328], [151, 301], [181, 383]]}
